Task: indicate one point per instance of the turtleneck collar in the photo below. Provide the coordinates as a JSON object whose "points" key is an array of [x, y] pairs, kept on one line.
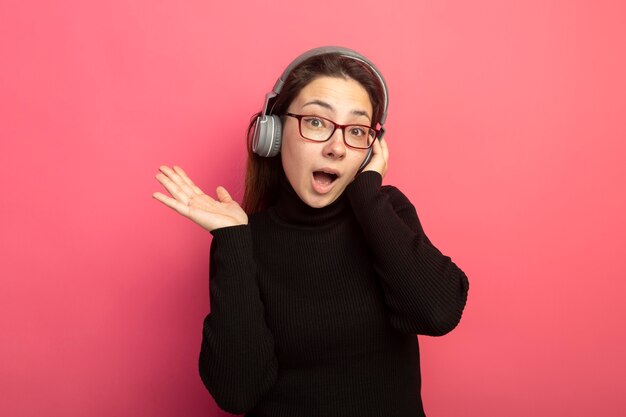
{"points": [[291, 209]]}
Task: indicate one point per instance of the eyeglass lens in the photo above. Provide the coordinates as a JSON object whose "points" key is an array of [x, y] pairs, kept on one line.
{"points": [[320, 129]]}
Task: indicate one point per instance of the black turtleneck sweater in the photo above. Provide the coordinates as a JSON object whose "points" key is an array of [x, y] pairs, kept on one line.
{"points": [[314, 312]]}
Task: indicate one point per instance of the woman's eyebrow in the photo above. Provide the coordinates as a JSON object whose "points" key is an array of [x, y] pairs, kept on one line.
{"points": [[332, 109]]}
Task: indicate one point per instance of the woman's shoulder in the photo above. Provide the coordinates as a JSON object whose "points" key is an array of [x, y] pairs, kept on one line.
{"points": [[397, 199]]}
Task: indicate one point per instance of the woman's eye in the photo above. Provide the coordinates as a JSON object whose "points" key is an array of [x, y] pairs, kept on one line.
{"points": [[357, 131], [314, 122]]}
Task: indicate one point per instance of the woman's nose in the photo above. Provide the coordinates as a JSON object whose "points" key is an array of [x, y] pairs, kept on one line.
{"points": [[335, 146]]}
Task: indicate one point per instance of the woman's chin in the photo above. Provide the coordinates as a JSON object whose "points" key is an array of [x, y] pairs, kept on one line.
{"points": [[321, 200]]}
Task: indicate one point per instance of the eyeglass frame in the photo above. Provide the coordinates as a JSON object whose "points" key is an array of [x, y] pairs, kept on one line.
{"points": [[335, 126]]}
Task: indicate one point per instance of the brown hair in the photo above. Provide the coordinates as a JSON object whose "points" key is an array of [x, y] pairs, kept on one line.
{"points": [[263, 174]]}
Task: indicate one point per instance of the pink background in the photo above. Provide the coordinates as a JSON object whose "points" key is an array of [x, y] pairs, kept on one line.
{"points": [[506, 130]]}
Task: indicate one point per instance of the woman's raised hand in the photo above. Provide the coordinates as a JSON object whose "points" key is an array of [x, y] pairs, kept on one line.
{"points": [[380, 158], [189, 200]]}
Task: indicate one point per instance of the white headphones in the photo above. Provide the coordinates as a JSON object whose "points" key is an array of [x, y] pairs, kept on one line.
{"points": [[267, 134]]}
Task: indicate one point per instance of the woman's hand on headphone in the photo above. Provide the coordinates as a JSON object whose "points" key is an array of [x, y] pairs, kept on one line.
{"points": [[380, 158], [190, 201]]}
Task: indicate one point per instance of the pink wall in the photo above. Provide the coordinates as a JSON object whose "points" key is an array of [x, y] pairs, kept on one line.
{"points": [[506, 128]]}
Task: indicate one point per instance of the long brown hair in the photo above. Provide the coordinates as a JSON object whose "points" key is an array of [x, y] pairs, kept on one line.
{"points": [[263, 174]]}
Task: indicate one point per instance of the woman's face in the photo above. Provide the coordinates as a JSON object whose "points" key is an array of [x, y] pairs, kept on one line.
{"points": [[319, 172]]}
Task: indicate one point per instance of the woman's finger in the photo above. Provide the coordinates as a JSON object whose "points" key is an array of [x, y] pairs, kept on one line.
{"points": [[174, 189], [385, 149], [376, 147], [223, 195], [177, 179], [187, 180], [172, 203]]}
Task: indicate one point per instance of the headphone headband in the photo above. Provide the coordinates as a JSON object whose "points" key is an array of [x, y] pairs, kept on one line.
{"points": [[324, 50]]}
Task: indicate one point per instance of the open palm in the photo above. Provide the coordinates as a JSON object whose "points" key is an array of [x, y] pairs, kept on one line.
{"points": [[190, 201]]}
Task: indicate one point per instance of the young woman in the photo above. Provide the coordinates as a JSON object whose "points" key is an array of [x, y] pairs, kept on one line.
{"points": [[320, 286]]}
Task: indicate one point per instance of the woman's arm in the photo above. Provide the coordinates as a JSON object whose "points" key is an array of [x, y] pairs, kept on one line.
{"points": [[237, 362], [424, 290]]}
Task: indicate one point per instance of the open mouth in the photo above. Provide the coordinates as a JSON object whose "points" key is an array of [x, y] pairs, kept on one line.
{"points": [[324, 178]]}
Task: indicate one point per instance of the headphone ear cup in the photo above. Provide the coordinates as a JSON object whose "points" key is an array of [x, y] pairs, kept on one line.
{"points": [[267, 135], [367, 159]]}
